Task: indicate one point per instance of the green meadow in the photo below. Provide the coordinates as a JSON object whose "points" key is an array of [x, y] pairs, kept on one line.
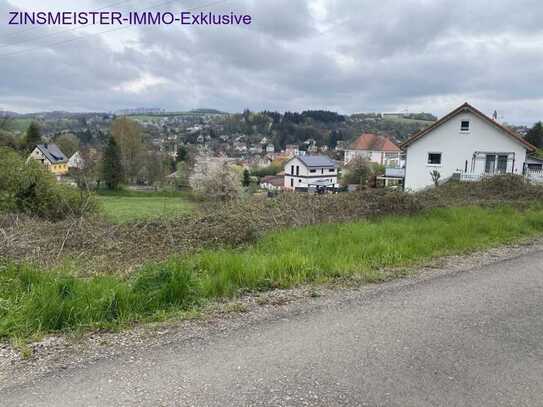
{"points": [[126, 206]]}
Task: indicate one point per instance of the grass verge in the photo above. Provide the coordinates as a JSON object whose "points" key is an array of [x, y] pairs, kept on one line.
{"points": [[34, 302]]}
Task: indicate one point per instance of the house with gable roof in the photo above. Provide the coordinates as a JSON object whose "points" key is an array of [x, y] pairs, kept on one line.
{"points": [[465, 143], [376, 148], [51, 157]]}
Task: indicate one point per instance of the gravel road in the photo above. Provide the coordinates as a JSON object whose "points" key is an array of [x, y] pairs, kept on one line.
{"points": [[457, 338]]}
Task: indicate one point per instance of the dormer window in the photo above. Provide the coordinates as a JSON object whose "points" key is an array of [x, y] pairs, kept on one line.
{"points": [[464, 126]]}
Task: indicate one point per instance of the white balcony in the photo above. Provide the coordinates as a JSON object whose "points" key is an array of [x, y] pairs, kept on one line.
{"points": [[395, 172]]}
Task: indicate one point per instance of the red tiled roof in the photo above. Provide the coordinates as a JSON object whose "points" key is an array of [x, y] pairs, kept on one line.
{"points": [[466, 107], [374, 142]]}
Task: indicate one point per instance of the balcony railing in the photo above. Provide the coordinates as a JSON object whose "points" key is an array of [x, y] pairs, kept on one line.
{"points": [[535, 176], [395, 172]]}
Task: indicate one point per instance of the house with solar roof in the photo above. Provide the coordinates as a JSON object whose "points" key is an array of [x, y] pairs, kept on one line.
{"points": [[51, 157]]}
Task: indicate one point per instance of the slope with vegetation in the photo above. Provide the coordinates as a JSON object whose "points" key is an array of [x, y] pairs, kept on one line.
{"points": [[35, 301], [82, 272]]}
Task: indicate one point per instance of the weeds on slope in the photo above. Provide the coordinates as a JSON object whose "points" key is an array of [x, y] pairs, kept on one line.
{"points": [[34, 301]]}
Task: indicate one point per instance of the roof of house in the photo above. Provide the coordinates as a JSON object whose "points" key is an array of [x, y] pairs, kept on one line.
{"points": [[52, 153], [466, 107], [316, 160], [275, 180], [374, 142]]}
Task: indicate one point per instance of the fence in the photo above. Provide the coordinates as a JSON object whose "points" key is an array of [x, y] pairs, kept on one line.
{"points": [[535, 176], [465, 176]]}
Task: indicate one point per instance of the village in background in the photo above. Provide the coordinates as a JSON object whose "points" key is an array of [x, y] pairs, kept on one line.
{"points": [[220, 154]]}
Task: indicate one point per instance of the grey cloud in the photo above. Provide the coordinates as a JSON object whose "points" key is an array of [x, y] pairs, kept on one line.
{"points": [[373, 56]]}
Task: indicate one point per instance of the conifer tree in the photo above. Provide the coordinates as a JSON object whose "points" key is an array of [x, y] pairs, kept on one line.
{"points": [[112, 169]]}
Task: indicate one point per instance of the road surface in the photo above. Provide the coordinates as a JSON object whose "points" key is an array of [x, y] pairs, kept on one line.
{"points": [[471, 338]]}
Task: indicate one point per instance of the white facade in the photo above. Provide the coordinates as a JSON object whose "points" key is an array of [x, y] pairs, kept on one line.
{"points": [[464, 143], [37, 155], [386, 158], [300, 175], [76, 161]]}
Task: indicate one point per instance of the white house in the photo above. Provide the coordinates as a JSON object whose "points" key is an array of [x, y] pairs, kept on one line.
{"points": [[309, 172], [272, 182], [376, 148], [464, 142], [76, 161], [292, 150]]}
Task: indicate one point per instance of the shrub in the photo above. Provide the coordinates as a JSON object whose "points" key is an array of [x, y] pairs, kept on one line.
{"points": [[359, 170], [27, 187], [217, 184], [272, 169], [103, 247]]}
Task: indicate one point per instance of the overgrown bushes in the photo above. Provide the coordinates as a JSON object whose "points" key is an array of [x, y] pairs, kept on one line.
{"points": [[34, 301], [27, 187], [100, 246]]}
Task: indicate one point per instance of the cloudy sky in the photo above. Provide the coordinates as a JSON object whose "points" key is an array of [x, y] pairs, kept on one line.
{"points": [[343, 55]]}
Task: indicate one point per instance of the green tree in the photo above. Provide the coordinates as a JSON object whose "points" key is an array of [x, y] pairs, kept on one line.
{"points": [[112, 169], [28, 187], [246, 180], [332, 140], [33, 136], [357, 172], [68, 144], [535, 135], [182, 154]]}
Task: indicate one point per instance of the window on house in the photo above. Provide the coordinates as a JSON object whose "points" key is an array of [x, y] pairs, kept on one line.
{"points": [[434, 158], [312, 170], [297, 170], [331, 170], [502, 164], [292, 182], [464, 125], [292, 169], [490, 163]]}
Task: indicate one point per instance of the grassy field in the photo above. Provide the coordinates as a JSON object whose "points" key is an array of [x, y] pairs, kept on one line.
{"points": [[129, 206], [34, 302], [407, 120]]}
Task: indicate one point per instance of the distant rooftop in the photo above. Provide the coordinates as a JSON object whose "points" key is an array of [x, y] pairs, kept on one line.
{"points": [[374, 142]]}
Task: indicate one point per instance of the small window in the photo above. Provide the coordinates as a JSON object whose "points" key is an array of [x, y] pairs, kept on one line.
{"points": [[464, 125], [331, 170], [312, 170], [434, 158]]}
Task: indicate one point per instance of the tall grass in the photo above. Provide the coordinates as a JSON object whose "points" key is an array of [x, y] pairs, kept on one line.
{"points": [[33, 302]]}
